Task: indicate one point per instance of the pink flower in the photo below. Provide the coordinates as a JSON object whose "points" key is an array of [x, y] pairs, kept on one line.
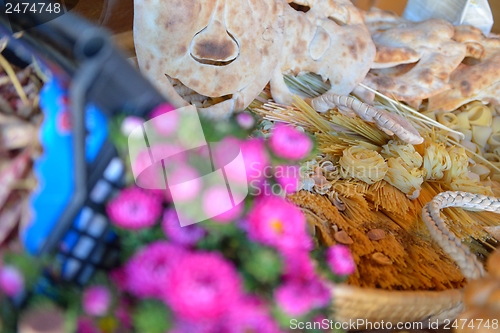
{"points": [[134, 208], [164, 125], [185, 236], [184, 182], [340, 260], [147, 270], [202, 287], [11, 281], [289, 143], [123, 314], [245, 120], [302, 290], [298, 265], [288, 176], [96, 300], [217, 205], [119, 278], [256, 159], [250, 315], [86, 325], [149, 176], [278, 223], [297, 297], [129, 124]]}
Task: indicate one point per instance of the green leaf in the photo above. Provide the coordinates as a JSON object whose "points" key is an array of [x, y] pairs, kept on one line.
{"points": [[263, 264], [151, 316], [30, 267]]}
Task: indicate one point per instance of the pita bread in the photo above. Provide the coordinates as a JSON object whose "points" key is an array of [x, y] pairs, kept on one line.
{"points": [[479, 80], [468, 83], [342, 54], [379, 20], [425, 47], [478, 45], [214, 47]]}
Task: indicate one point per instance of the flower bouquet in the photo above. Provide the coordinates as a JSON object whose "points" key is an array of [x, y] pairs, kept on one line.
{"points": [[253, 268]]}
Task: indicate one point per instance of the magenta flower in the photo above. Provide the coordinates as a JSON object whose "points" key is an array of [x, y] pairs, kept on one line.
{"points": [[297, 297], [217, 205], [165, 126], [129, 124], [298, 265], [303, 290], [184, 183], [185, 236], [148, 177], [256, 159], [119, 278], [340, 260], [250, 315], [202, 287], [134, 208], [11, 281], [245, 120], [288, 177], [123, 314], [147, 270], [289, 143], [96, 300], [278, 223]]}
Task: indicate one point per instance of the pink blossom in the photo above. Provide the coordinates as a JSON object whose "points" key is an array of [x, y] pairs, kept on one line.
{"points": [[185, 236], [217, 205], [297, 297], [184, 182], [119, 278], [147, 270], [134, 208], [163, 125], [298, 265], [86, 325], [96, 300], [129, 124], [288, 176], [289, 143], [256, 159], [250, 315], [122, 313], [278, 223], [245, 120], [340, 260], [149, 176], [11, 281], [202, 287], [303, 290]]}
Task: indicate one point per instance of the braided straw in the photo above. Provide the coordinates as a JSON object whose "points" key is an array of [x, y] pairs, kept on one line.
{"points": [[470, 267], [352, 303]]}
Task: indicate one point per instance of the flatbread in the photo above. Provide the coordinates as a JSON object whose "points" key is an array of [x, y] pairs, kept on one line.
{"points": [[468, 83], [428, 47], [214, 47], [340, 52]]}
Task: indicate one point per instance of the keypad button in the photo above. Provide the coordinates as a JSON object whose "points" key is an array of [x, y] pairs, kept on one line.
{"points": [[69, 241], [70, 268], [97, 225], [83, 247], [101, 191], [85, 216], [114, 170]]}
